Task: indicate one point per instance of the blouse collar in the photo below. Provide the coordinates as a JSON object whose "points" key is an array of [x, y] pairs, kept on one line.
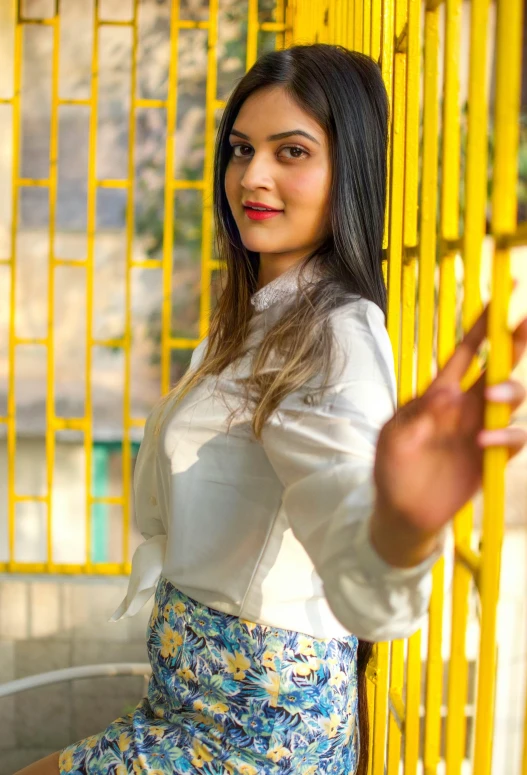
{"points": [[281, 288]]}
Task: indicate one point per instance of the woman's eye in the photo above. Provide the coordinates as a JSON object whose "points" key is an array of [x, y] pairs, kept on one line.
{"points": [[240, 150], [295, 152]]}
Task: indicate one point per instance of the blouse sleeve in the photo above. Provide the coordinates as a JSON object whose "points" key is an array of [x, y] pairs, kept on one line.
{"points": [[323, 452]]}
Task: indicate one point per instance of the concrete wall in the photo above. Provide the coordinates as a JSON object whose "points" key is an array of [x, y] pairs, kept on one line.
{"points": [[48, 624]]}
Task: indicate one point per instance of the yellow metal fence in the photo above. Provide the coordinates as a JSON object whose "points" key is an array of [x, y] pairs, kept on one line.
{"points": [[418, 43]]}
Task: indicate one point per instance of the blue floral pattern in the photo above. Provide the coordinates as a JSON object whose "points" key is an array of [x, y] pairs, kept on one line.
{"points": [[230, 697]]}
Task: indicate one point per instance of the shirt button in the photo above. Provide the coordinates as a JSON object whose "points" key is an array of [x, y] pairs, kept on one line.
{"points": [[153, 500]]}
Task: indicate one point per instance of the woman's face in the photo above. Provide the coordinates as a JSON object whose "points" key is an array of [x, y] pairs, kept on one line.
{"points": [[280, 160]]}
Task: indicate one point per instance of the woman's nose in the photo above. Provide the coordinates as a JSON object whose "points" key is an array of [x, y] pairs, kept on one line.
{"points": [[257, 174]]}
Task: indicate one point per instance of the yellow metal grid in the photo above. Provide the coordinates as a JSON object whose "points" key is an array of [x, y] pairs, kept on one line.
{"points": [[393, 32]]}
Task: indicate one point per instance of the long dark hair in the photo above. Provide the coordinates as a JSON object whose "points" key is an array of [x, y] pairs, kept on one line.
{"points": [[344, 92]]}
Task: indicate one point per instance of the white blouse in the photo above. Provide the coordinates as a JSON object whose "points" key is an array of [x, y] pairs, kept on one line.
{"points": [[277, 531]]}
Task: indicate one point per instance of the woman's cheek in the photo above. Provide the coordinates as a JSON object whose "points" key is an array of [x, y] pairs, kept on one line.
{"points": [[311, 187]]}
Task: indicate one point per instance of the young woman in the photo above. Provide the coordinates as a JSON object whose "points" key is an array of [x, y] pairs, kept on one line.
{"points": [[288, 509]]}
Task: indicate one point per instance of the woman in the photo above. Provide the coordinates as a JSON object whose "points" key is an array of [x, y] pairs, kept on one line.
{"points": [[285, 514]]}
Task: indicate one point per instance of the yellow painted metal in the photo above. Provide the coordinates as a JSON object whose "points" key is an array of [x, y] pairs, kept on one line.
{"points": [[382, 667], [389, 30], [504, 221]]}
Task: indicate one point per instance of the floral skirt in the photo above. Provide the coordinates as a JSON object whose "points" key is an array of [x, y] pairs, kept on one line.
{"points": [[230, 696]]}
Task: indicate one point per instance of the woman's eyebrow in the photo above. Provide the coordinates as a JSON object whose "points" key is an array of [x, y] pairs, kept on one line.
{"points": [[279, 136]]}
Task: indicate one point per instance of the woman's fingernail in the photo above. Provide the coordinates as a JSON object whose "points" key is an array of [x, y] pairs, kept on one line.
{"points": [[502, 392]]}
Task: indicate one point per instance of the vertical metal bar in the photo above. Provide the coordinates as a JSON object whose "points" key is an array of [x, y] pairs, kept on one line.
{"points": [[90, 256], [127, 344], [11, 399], [395, 245], [357, 42], [52, 191], [386, 58], [504, 219], [462, 578], [413, 701], [427, 263], [412, 123], [252, 32], [381, 709], [366, 28], [168, 234], [376, 29], [210, 130]]}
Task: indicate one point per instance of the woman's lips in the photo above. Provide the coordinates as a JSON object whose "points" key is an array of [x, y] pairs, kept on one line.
{"points": [[260, 215]]}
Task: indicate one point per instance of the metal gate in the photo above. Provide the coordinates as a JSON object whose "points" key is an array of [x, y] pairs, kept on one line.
{"points": [[436, 225]]}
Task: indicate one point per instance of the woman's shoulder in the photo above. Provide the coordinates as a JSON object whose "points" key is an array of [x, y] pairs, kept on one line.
{"points": [[363, 346]]}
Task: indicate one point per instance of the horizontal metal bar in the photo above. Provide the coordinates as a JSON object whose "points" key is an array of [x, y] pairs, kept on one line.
{"points": [[48, 22], [137, 422], [33, 182], [183, 344], [74, 674], [21, 340], [154, 263], [107, 342], [116, 183], [184, 184], [433, 5], [470, 559], [219, 104], [516, 240], [6, 261], [115, 23], [6, 100], [4, 420], [190, 24], [31, 498], [81, 262], [216, 265], [274, 27], [76, 102], [69, 424], [144, 103], [63, 569], [397, 709], [402, 40]]}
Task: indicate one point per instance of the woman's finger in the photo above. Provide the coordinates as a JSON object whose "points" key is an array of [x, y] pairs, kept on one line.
{"points": [[458, 363], [509, 392], [511, 437]]}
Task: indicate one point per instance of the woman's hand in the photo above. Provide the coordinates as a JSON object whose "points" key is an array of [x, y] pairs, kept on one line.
{"points": [[429, 459]]}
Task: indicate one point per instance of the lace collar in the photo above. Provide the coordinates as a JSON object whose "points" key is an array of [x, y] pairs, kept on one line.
{"points": [[281, 288]]}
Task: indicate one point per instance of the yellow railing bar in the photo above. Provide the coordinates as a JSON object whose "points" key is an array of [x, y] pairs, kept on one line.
{"points": [[375, 32], [26, 340], [91, 221], [168, 232], [137, 422], [413, 48], [381, 708], [189, 24], [472, 562], [273, 27], [524, 756], [141, 102], [31, 498], [397, 713], [210, 119], [53, 176], [357, 25], [78, 102], [70, 423], [252, 33], [127, 343], [366, 30], [504, 220], [116, 183], [107, 342], [78, 263], [114, 22], [45, 22], [182, 344], [63, 569], [386, 57], [109, 500], [147, 263], [34, 182]]}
